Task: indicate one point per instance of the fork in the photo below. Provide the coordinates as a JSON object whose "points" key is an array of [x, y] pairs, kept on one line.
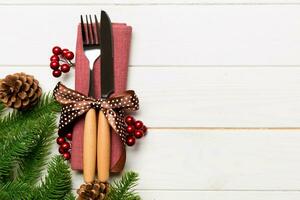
{"points": [[91, 47]]}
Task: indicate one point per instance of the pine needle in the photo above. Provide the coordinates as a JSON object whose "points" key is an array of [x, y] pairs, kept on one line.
{"points": [[124, 188], [58, 181], [70, 196], [15, 190], [17, 120], [33, 164], [14, 150], [2, 108]]}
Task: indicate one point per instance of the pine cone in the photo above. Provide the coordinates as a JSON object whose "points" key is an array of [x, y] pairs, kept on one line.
{"points": [[92, 191], [19, 91]]}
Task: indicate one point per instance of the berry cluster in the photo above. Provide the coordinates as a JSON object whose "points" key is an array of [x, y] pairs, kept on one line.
{"points": [[63, 140], [61, 61], [135, 130]]}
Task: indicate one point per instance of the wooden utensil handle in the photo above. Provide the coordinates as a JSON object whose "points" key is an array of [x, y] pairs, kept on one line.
{"points": [[90, 146], [103, 148]]}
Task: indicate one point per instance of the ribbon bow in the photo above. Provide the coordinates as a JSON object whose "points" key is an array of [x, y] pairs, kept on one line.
{"points": [[75, 104]]}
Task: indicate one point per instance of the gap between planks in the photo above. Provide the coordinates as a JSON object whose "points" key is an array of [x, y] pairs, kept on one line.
{"points": [[227, 128], [150, 4], [169, 66]]}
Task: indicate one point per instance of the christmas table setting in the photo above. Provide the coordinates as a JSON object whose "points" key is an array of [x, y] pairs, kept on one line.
{"points": [[93, 121]]}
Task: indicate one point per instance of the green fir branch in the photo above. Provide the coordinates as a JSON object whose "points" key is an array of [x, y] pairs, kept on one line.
{"points": [[17, 120], [33, 164], [16, 190], [14, 150], [2, 108], [124, 188], [70, 196], [57, 183]]}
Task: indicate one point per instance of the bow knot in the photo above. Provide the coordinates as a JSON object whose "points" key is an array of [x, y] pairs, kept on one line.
{"points": [[75, 104]]}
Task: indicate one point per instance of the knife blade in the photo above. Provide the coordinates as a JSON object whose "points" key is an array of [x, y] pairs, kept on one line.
{"points": [[107, 61], [107, 88]]}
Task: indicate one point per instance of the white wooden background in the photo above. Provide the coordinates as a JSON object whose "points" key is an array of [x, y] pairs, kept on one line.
{"points": [[218, 80]]}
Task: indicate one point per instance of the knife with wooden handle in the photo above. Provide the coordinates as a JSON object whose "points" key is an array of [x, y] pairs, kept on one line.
{"points": [[107, 88]]}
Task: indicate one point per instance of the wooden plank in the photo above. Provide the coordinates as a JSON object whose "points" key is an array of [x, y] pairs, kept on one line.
{"points": [[145, 2], [206, 96], [216, 160], [185, 35], [213, 195]]}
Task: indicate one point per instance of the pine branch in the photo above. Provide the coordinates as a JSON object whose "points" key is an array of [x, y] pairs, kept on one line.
{"points": [[70, 196], [124, 188], [33, 164], [2, 107], [17, 120], [14, 150], [58, 182], [15, 190], [33, 142]]}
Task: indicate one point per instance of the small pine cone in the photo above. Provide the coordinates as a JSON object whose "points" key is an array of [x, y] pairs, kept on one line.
{"points": [[92, 191], [19, 91]]}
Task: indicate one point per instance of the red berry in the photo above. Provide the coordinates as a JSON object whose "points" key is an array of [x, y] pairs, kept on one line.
{"points": [[54, 58], [138, 124], [66, 145], [130, 141], [54, 65], [138, 134], [60, 140], [56, 50], [69, 55], [67, 155], [130, 129], [129, 120], [65, 68], [64, 51], [56, 73], [144, 129], [61, 150], [69, 136]]}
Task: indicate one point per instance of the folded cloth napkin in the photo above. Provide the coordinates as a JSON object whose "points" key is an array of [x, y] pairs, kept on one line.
{"points": [[121, 42]]}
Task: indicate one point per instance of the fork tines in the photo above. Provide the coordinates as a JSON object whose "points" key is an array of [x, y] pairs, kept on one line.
{"points": [[90, 31]]}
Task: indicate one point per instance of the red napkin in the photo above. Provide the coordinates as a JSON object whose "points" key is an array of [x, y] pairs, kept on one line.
{"points": [[121, 39]]}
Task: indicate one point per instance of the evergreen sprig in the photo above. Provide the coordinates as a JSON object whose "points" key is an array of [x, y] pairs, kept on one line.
{"points": [[70, 196], [57, 182], [17, 120], [124, 188], [16, 190], [2, 107], [25, 141]]}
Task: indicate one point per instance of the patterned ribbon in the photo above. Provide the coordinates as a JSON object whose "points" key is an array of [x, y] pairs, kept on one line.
{"points": [[75, 104]]}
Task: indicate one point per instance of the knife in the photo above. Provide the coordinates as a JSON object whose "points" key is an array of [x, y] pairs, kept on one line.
{"points": [[107, 88]]}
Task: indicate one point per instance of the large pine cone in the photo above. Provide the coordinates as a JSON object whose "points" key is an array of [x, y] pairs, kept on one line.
{"points": [[19, 91], [92, 191]]}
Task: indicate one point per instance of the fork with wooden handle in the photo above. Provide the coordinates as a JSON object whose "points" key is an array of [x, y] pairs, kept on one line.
{"points": [[91, 49]]}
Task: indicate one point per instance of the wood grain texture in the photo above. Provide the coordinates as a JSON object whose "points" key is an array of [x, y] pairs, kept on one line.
{"points": [[90, 146], [230, 68], [185, 35], [144, 2], [103, 148], [211, 195], [216, 160], [207, 96]]}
